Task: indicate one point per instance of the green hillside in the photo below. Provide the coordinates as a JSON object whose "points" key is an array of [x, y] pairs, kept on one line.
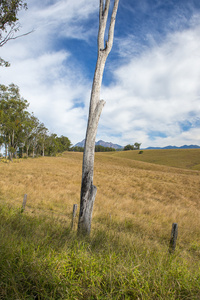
{"points": [[179, 158]]}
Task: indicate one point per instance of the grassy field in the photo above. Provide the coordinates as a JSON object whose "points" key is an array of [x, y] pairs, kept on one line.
{"points": [[126, 257], [179, 158]]}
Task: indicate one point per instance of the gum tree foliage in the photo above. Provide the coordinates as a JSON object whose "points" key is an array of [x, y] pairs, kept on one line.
{"points": [[12, 116], [136, 146], [55, 144], [88, 190], [128, 147], [9, 24]]}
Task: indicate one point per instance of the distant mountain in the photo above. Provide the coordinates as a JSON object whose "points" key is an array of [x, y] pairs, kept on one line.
{"points": [[189, 147], [116, 146], [108, 144], [101, 143], [175, 147], [80, 144]]}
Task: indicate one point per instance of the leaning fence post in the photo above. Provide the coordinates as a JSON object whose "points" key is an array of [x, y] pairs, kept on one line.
{"points": [[75, 206], [174, 235], [24, 203]]}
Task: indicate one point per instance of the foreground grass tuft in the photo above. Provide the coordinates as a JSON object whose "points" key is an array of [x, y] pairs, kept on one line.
{"points": [[41, 258]]}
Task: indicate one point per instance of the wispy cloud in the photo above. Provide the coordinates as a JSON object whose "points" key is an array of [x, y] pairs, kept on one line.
{"points": [[61, 18]]}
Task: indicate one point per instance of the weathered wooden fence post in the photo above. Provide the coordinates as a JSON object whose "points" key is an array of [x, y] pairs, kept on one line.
{"points": [[75, 206], [24, 203], [174, 235]]}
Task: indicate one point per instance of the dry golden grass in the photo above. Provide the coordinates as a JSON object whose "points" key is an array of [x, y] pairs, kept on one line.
{"points": [[50, 183], [139, 200]]}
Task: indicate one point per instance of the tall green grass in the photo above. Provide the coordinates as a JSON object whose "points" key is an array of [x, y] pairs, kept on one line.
{"points": [[41, 258]]}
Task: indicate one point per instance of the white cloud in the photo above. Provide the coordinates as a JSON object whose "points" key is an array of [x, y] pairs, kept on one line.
{"points": [[155, 89]]}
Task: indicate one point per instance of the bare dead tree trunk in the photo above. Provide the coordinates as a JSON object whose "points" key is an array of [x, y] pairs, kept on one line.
{"points": [[88, 190]]}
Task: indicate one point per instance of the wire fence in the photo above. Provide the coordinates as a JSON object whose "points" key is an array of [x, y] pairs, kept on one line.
{"points": [[174, 230]]}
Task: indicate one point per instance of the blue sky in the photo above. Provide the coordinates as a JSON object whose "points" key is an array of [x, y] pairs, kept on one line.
{"points": [[151, 82]]}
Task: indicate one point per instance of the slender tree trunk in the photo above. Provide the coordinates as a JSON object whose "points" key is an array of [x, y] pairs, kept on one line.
{"points": [[6, 151], [27, 148], [88, 190], [9, 149], [43, 149]]}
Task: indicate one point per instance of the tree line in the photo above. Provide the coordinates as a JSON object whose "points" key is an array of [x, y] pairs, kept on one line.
{"points": [[98, 148], [21, 133]]}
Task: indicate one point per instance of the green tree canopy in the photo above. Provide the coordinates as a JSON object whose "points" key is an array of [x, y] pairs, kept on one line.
{"points": [[55, 144], [8, 12], [12, 116], [136, 146], [128, 147]]}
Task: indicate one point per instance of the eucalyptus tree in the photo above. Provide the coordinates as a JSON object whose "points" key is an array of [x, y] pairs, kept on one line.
{"points": [[137, 146], [21, 131], [88, 190], [65, 143], [52, 144], [29, 129], [38, 130], [43, 134], [12, 116]]}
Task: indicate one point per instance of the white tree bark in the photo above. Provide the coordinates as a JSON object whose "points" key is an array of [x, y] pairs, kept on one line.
{"points": [[88, 190]]}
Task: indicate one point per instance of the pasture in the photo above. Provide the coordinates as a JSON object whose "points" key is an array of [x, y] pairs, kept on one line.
{"points": [[139, 196]]}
